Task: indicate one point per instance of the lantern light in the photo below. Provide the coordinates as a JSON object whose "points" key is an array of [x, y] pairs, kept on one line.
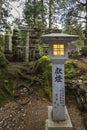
{"points": [[58, 49], [58, 46]]}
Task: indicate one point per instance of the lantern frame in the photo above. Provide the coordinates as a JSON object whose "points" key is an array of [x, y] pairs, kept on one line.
{"points": [[58, 38]]}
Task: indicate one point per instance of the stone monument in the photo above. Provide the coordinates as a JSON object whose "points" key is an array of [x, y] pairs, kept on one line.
{"points": [[58, 117]]}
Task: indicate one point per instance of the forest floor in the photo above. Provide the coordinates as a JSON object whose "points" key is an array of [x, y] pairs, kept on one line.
{"points": [[18, 115]]}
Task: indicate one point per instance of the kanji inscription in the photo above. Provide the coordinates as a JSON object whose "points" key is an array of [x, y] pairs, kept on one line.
{"points": [[58, 92], [58, 75]]}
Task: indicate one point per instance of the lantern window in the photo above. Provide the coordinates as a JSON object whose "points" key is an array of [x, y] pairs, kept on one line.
{"points": [[58, 50]]}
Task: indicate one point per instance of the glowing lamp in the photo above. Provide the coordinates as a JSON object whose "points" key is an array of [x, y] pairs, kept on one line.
{"points": [[58, 43], [58, 49]]}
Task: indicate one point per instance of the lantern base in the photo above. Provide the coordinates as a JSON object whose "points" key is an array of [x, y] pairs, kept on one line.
{"points": [[58, 125]]}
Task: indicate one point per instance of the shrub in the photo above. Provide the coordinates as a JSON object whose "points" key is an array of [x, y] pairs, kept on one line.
{"points": [[84, 51], [3, 60], [42, 64], [44, 68]]}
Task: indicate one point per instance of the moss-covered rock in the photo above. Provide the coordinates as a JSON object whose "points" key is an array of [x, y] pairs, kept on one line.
{"points": [[42, 64]]}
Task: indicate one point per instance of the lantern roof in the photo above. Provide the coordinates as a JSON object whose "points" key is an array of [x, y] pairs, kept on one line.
{"points": [[59, 37]]}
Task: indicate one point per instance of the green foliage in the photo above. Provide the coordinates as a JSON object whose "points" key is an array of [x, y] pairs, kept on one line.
{"points": [[44, 68], [42, 64], [80, 41], [71, 16], [74, 55], [47, 78], [71, 72], [16, 37], [34, 13], [23, 37], [6, 86], [4, 14], [76, 30], [69, 64], [15, 41], [2, 42], [72, 12], [47, 75], [4, 97], [3, 60], [84, 51], [75, 75]]}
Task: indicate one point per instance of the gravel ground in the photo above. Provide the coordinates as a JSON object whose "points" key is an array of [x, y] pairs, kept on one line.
{"points": [[12, 117]]}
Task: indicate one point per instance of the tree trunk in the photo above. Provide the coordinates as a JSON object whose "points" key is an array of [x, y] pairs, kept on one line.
{"points": [[1, 2], [3, 60], [43, 19], [86, 26], [35, 15], [50, 15]]}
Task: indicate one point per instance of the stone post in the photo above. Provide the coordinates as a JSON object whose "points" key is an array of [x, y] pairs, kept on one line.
{"points": [[10, 43], [58, 92], [58, 117], [27, 47]]}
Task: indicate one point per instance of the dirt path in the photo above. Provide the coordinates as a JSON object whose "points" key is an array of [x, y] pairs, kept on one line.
{"points": [[75, 116], [37, 115], [33, 115]]}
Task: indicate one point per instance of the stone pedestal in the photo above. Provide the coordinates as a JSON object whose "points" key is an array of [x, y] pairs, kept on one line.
{"points": [[58, 125]]}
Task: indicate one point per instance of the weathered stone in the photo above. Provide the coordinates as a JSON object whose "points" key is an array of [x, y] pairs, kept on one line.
{"points": [[5, 123], [14, 119], [8, 126], [58, 92], [58, 125], [58, 57], [1, 122], [0, 128], [85, 82], [10, 115], [80, 81]]}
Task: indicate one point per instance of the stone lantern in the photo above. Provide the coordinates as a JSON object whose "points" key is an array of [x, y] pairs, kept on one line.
{"points": [[58, 117]]}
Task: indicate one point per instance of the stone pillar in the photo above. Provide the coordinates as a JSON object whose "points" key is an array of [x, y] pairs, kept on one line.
{"points": [[58, 117], [10, 43], [58, 92], [27, 47]]}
